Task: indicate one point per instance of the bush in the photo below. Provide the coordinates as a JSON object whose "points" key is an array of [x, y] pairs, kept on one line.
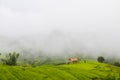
{"points": [[100, 59], [11, 59], [117, 64]]}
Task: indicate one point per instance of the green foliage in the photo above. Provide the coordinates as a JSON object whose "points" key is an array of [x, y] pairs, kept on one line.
{"points": [[100, 59], [80, 71], [11, 59], [117, 64]]}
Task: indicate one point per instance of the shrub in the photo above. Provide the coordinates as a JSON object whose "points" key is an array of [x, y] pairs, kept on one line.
{"points": [[11, 59], [117, 64], [100, 59]]}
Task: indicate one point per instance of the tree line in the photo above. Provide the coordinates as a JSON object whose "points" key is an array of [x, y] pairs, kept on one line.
{"points": [[12, 58]]}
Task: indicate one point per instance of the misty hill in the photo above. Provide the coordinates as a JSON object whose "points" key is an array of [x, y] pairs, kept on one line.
{"points": [[59, 43], [81, 71], [54, 43]]}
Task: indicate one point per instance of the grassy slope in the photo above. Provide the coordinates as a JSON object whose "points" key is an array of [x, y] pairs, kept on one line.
{"points": [[79, 71]]}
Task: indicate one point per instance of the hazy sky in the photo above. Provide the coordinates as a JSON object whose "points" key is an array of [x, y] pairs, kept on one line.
{"points": [[93, 23], [20, 17]]}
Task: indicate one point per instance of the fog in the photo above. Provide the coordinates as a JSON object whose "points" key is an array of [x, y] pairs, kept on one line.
{"points": [[65, 27]]}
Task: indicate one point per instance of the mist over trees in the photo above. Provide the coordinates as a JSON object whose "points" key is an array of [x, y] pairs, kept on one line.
{"points": [[82, 27], [59, 43]]}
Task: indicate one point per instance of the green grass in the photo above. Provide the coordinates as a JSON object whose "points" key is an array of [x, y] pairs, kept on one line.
{"points": [[79, 71]]}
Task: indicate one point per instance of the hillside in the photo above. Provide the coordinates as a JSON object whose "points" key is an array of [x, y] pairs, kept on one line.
{"points": [[79, 71]]}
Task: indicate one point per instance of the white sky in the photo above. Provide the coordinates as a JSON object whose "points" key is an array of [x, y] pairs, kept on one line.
{"points": [[97, 20], [21, 17]]}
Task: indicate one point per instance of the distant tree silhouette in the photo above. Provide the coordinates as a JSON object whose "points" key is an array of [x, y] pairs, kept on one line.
{"points": [[100, 59], [11, 59], [117, 64]]}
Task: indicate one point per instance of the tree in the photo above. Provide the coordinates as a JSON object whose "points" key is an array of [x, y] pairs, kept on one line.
{"points": [[11, 59], [100, 59], [117, 64]]}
